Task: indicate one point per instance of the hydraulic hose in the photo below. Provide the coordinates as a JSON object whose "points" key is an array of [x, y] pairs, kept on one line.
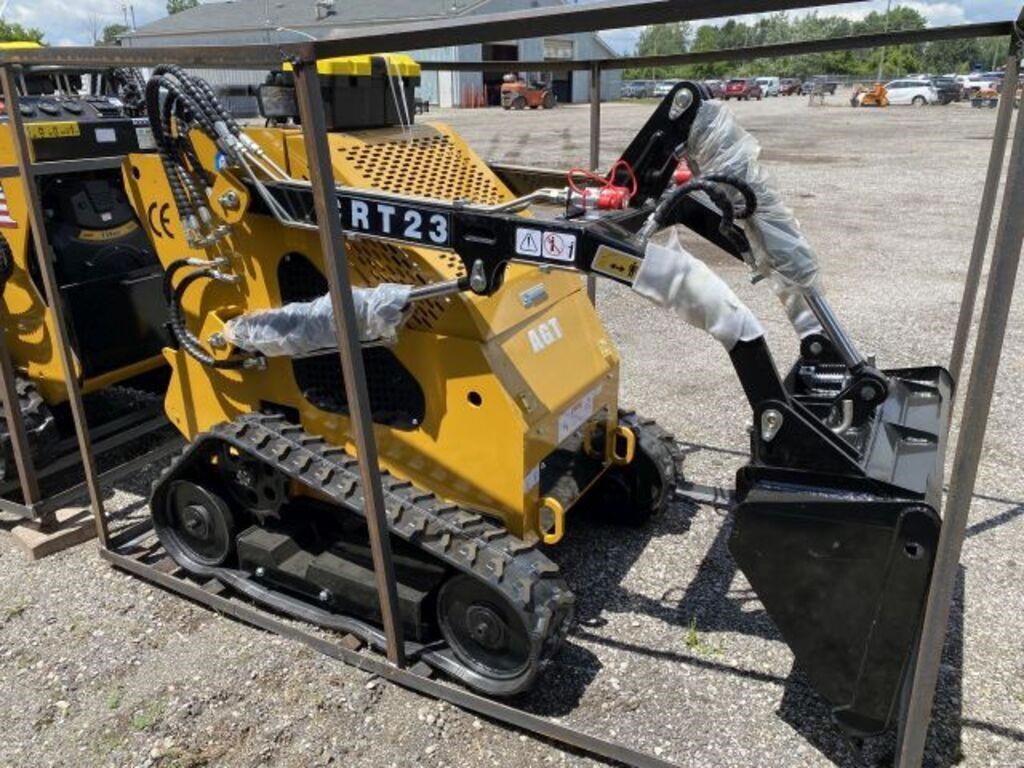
{"points": [[741, 186], [188, 340], [668, 205]]}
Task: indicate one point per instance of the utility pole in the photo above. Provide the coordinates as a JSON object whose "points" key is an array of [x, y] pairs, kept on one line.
{"points": [[881, 59]]}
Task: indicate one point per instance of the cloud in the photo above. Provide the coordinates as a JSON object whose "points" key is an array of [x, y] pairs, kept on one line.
{"points": [[72, 23]]}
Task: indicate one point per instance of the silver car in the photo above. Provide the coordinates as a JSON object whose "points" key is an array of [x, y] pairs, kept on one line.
{"points": [[664, 87]]}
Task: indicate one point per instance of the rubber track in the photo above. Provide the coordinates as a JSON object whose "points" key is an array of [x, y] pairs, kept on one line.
{"points": [[466, 541], [40, 426], [661, 446]]}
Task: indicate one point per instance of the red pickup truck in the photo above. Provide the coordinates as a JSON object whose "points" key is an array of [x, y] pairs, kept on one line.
{"points": [[742, 88]]}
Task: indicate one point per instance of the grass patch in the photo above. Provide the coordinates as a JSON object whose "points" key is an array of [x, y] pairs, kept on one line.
{"points": [[148, 716], [697, 644], [114, 699]]}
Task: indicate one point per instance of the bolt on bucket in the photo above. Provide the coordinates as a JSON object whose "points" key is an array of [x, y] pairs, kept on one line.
{"points": [[837, 532]]}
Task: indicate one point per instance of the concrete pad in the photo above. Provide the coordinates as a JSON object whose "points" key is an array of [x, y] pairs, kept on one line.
{"points": [[73, 526]]}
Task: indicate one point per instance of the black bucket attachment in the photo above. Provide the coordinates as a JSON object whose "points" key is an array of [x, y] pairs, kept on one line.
{"points": [[836, 530]]}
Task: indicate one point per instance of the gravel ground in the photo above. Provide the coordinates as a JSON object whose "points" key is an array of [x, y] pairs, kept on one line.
{"points": [[672, 653]]}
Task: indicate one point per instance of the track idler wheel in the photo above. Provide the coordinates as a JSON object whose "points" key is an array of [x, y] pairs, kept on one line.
{"points": [[483, 631], [631, 494], [196, 527]]}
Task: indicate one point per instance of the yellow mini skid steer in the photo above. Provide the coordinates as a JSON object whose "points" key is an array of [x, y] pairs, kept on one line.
{"points": [[79, 126], [494, 388]]}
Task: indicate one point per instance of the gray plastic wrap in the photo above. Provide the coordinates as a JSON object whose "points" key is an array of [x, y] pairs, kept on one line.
{"points": [[719, 145], [675, 279], [303, 327]]}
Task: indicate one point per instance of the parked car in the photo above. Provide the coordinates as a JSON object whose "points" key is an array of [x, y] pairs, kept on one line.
{"points": [[916, 92], [788, 86], [770, 85], [716, 87], [994, 80], [948, 88], [638, 89], [664, 88], [742, 88], [820, 84], [973, 83]]}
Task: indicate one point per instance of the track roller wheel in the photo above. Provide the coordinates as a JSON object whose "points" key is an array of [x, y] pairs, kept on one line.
{"points": [[255, 485], [196, 527], [484, 632]]}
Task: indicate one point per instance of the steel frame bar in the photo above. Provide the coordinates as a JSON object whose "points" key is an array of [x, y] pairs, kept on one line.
{"points": [[26, 165], [595, 149], [852, 42], [973, 424], [332, 246], [104, 438], [986, 210], [160, 453], [430, 33]]}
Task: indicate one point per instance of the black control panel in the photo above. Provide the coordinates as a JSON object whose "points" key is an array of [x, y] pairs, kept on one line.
{"points": [[76, 127]]}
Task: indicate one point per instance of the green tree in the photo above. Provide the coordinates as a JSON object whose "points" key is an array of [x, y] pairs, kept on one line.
{"points": [[935, 58], [177, 6], [661, 40], [706, 39], [15, 32], [111, 32]]}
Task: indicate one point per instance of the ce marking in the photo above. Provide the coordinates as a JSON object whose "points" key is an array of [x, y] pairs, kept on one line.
{"points": [[164, 230]]}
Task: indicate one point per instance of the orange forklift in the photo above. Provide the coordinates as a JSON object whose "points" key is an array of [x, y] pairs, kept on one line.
{"points": [[517, 93]]}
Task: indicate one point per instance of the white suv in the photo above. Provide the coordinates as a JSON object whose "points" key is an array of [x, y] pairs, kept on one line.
{"points": [[916, 92], [770, 85]]}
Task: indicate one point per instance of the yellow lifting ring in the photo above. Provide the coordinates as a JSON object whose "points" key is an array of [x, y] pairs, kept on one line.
{"points": [[552, 520], [623, 445]]}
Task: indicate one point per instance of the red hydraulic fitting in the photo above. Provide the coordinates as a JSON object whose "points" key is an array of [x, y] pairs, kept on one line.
{"points": [[682, 174], [608, 198]]}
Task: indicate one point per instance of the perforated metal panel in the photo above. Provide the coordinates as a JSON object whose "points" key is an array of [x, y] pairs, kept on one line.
{"points": [[372, 262], [421, 162], [430, 165]]}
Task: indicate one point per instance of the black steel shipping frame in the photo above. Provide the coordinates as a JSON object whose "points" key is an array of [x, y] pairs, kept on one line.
{"points": [[130, 550]]}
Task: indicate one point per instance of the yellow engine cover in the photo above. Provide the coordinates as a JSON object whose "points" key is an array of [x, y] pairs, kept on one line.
{"points": [[506, 378]]}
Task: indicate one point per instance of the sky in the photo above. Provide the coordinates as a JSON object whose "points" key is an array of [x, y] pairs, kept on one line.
{"points": [[73, 22]]}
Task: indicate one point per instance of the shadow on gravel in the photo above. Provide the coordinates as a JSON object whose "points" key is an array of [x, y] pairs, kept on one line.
{"points": [[594, 559], [807, 713]]}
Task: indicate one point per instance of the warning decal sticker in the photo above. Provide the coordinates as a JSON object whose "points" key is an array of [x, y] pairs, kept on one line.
{"points": [[528, 241], [559, 247]]}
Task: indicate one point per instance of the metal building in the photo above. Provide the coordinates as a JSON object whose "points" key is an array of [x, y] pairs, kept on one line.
{"points": [[289, 21]]}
